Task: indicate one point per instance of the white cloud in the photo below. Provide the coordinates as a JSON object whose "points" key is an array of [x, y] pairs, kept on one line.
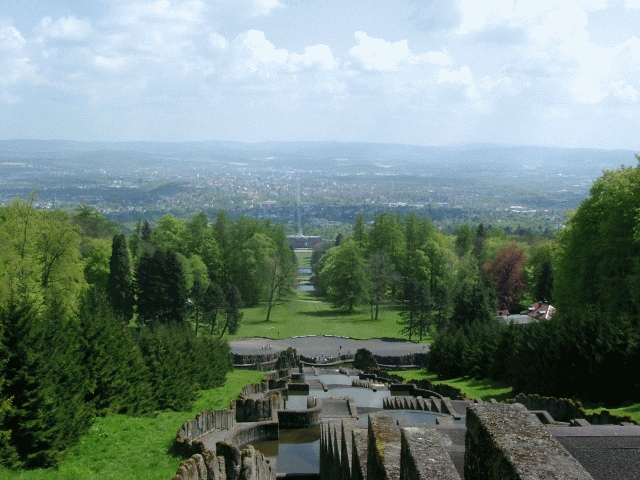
{"points": [[378, 54], [15, 64], [65, 28], [190, 11], [111, 64], [265, 7], [315, 55], [632, 4], [10, 37], [218, 42], [263, 50], [436, 58], [625, 93], [478, 14]]}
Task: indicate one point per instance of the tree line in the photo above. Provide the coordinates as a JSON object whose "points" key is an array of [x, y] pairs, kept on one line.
{"points": [[438, 281], [94, 323], [591, 346]]}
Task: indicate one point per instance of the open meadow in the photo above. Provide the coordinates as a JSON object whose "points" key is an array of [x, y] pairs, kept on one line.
{"points": [[306, 314]]}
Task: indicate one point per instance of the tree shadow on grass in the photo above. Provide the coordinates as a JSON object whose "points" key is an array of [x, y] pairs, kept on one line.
{"points": [[329, 313]]}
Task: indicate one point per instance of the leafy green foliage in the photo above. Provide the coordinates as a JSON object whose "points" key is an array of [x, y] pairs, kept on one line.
{"points": [[599, 264], [343, 275]]}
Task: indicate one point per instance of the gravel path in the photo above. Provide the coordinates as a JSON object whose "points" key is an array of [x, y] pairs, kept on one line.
{"points": [[331, 346]]}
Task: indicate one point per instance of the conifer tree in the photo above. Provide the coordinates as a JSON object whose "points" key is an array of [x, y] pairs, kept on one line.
{"points": [[119, 378], [120, 280], [161, 288]]}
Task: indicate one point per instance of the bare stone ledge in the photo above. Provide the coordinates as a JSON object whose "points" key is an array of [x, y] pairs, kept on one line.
{"points": [[505, 441]]}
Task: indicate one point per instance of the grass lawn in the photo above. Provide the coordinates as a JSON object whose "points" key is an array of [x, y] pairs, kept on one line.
{"points": [[304, 259], [309, 315], [485, 389], [632, 410], [119, 446]]}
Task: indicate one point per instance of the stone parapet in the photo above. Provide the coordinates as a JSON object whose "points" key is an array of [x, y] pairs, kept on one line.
{"points": [[359, 454], [565, 410], [254, 410], [228, 463], [205, 422], [506, 442], [310, 417], [424, 455], [253, 432], [383, 448]]}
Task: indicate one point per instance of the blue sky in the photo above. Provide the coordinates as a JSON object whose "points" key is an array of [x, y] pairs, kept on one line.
{"points": [[545, 72]]}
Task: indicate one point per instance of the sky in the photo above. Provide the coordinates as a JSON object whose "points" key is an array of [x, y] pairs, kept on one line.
{"points": [[546, 72]]}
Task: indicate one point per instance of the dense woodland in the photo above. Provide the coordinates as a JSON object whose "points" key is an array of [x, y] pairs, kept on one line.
{"points": [[93, 323]]}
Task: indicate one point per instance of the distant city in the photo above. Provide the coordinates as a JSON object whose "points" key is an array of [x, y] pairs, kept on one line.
{"points": [[325, 184]]}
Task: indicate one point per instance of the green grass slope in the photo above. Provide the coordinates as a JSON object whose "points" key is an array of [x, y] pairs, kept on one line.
{"points": [[123, 447]]}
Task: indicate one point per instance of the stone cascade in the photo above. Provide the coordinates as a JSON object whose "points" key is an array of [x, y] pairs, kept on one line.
{"points": [[383, 451], [566, 410], [360, 383], [258, 409], [339, 455], [205, 422], [267, 361], [228, 463], [429, 404], [310, 417], [506, 442]]}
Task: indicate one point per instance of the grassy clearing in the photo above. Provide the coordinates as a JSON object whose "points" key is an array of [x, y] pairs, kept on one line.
{"points": [[485, 389], [120, 447], [309, 315], [304, 259]]}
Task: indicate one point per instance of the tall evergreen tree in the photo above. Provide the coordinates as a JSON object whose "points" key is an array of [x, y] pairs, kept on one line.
{"points": [[161, 288], [47, 381], [146, 231], [119, 378], [120, 280]]}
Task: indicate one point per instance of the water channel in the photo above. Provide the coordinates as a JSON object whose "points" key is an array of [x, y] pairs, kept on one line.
{"points": [[298, 450]]}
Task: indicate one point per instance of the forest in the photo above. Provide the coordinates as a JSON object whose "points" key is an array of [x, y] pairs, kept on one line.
{"points": [[93, 323]]}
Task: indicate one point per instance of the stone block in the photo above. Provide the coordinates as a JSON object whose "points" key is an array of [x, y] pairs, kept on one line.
{"points": [[424, 455], [506, 442], [383, 448], [359, 455], [579, 422], [214, 465], [543, 416], [232, 459], [447, 407]]}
